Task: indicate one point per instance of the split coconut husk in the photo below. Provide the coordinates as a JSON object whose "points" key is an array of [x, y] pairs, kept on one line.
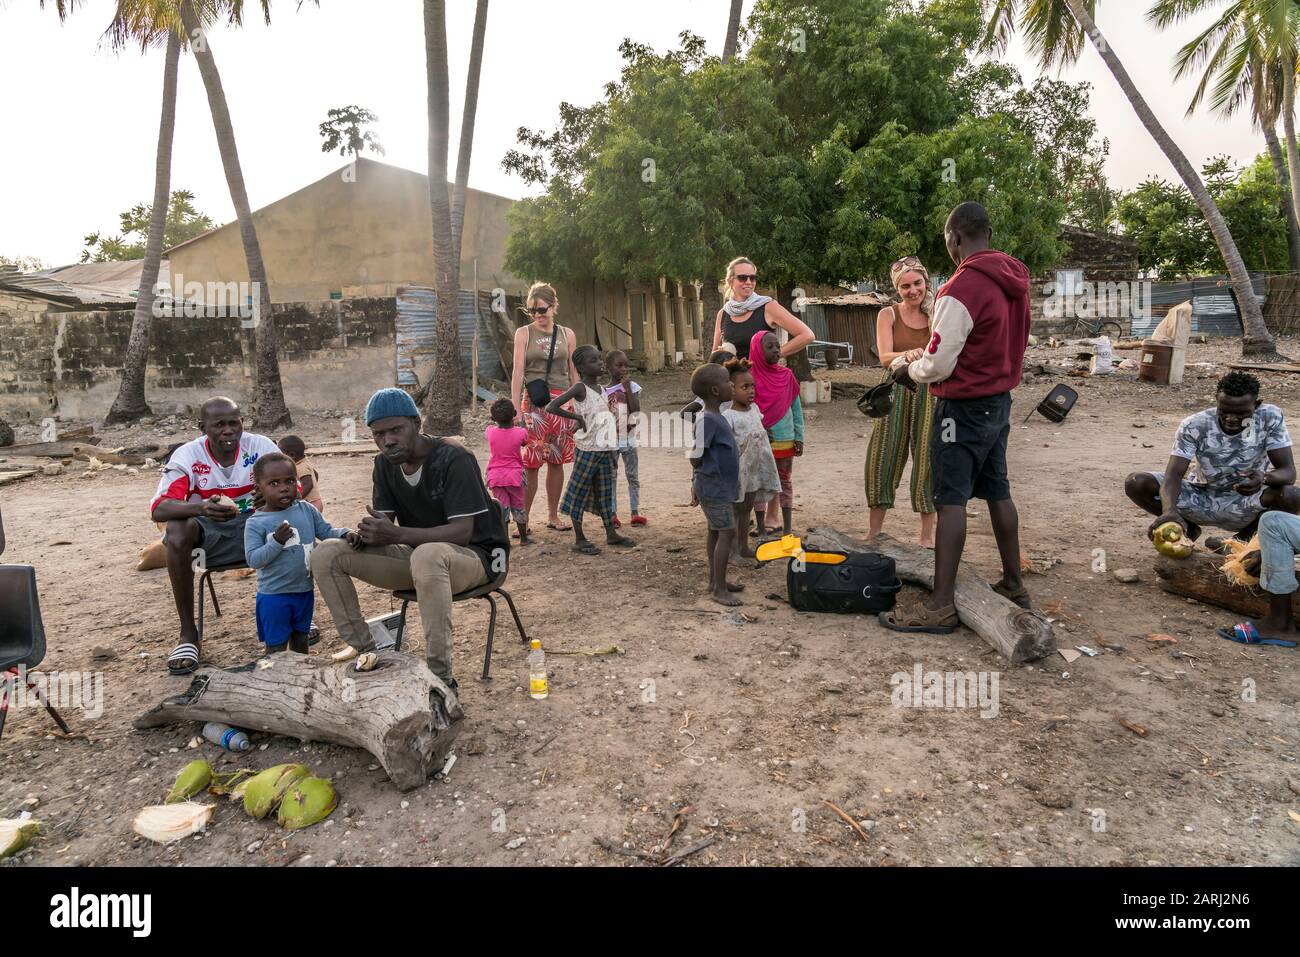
{"points": [[264, 792], [15, 834], [165, 823], [1234, 568], [308, 802], [194, 777]]}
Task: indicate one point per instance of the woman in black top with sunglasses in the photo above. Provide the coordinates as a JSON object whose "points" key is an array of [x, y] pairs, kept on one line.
{"points": [[744, 313]]}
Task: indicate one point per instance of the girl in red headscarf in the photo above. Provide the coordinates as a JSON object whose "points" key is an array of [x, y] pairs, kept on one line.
{"points": [[776, 393]]}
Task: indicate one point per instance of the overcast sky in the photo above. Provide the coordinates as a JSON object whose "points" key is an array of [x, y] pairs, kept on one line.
{"points": [[81, 123]]}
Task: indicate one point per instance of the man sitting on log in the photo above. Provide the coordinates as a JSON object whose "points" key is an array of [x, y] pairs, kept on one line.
{"points": [[1232, 444], [449, 535], [219, 463]]}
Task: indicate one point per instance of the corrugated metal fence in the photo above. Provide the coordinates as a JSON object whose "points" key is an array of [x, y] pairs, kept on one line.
{"points": [[417, 334]]}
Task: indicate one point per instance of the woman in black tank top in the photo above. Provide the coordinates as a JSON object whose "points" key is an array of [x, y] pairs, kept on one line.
{"points": [[737, 327]]}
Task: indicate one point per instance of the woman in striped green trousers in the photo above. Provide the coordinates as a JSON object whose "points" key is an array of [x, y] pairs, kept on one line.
{"points": [[903, 330]]}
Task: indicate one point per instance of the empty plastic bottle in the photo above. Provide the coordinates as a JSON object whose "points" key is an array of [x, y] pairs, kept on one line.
{"points": [[537, 684], [232, 739]]}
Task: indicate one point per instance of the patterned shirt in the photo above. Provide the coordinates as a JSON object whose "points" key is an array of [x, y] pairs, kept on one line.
{"points": [[1219, 457], [193, 475]]}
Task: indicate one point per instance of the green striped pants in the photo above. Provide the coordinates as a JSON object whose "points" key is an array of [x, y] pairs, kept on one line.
{"points": [[908, 424]]}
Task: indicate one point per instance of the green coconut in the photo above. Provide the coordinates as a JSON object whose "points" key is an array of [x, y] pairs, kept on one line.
{"points": [[1170, 540], [307, 802], [264, 791], [194, 777], [15, 834]]}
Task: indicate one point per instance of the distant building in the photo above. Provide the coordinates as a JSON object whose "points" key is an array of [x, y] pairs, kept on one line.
{"points": [[362, 231]]}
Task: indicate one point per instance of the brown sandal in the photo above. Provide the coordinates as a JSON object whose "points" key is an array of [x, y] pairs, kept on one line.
{"points": [[920, 618], [1019, 596]]}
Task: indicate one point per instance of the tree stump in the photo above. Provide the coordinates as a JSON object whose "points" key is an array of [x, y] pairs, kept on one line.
{"points": [[1198, 576], [401, 712], [1019, 634]]}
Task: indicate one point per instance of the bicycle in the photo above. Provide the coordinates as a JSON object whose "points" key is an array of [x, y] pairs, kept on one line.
{"points": [[1095, 328]]}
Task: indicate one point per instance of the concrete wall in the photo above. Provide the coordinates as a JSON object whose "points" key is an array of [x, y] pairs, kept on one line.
{"points": [[333, 355], [359, 231]]}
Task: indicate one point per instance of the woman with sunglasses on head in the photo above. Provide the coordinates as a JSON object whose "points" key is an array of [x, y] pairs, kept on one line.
{"points": [[745, 313], [542, 354], [903, 330]]}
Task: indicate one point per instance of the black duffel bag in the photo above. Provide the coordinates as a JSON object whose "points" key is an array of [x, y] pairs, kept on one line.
{"points": [[865, 583]]}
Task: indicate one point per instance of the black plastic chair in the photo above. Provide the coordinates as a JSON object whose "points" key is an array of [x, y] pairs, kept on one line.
{"points": [[22, 637], [485, 592], [216, 606]]}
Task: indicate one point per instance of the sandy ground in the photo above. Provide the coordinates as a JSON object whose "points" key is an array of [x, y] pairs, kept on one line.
{"points": [[746, 725]]}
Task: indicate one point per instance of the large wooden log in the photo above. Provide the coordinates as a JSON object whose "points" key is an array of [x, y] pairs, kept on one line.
{"points": [[1017, 633], [1198, 576], [401, 712]]}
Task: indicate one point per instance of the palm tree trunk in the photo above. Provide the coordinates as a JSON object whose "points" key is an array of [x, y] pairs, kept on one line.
{"points": [[467, 127], [733, 31], [130, 404], [1256, 340], [1288, 126], [1284, 183], [442, 408], [270, 411]]}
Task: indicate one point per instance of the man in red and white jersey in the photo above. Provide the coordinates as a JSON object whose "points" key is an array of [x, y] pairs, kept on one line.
{"points": [[218, 463]]}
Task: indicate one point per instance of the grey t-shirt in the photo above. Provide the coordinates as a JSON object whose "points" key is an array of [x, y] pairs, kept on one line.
{"points": [[1217, 457]]}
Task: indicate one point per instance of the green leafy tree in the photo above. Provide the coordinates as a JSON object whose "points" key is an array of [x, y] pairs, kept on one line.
{"points": [[1171, 232], [1056, 32], [344, 130], [183, 222], [823, 153]]}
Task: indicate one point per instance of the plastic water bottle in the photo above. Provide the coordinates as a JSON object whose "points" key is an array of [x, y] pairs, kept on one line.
{"points": [[232, 739], [537, 684]]}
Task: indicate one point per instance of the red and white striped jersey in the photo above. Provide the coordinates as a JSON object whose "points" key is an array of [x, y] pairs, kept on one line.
{"points": [[192, 474]]}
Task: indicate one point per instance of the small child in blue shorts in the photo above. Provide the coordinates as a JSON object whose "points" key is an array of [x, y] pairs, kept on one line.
{"points": [[278, 540]]}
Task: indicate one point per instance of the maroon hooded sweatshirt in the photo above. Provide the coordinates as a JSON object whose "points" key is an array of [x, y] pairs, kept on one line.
{"points": [[980, 329]]}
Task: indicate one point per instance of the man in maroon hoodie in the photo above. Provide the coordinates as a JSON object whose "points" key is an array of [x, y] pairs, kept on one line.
{"points": [[973, 361]]}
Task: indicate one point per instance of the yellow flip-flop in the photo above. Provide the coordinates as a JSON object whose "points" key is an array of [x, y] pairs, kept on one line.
{"points": [[789, 546]]}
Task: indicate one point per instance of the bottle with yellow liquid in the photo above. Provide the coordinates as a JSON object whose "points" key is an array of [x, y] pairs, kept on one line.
{"points": [[538, 687]]}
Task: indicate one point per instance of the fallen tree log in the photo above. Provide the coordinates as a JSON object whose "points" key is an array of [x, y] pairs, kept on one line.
{"points": [[54, 450], [1017, 633], [1198, 576], [401, 712]]}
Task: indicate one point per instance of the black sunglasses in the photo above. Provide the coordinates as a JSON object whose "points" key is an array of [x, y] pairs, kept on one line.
{"points": [[749, 278], [540, 310]]}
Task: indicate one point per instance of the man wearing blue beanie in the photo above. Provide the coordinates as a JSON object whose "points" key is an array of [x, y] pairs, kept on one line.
{"points": [[431, 527]]}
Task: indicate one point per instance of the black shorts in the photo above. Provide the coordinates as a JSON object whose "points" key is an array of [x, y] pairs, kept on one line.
{"points": [[968, 449], [223, 542]]}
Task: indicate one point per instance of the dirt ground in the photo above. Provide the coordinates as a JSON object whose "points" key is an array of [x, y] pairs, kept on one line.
{"points": [[750, 724]]}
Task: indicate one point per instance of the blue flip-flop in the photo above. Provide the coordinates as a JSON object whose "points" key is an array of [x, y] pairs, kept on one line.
{"points": [[1245, 633]]}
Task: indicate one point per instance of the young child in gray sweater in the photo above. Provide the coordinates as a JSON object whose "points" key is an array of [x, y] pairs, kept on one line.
{"points": [[278, 540]]}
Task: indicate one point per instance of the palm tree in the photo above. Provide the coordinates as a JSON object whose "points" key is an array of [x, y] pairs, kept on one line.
{"points": [[270, 410], [733, 31], [467, 127], [442, 408], [1249, 55], [1055, 31], [130, 404]]}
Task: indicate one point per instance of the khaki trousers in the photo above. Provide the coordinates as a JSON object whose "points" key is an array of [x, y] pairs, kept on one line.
{"points": [[436, 570]]}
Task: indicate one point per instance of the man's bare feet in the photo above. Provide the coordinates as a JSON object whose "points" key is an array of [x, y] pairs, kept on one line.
{"points": [[725, 598]]}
